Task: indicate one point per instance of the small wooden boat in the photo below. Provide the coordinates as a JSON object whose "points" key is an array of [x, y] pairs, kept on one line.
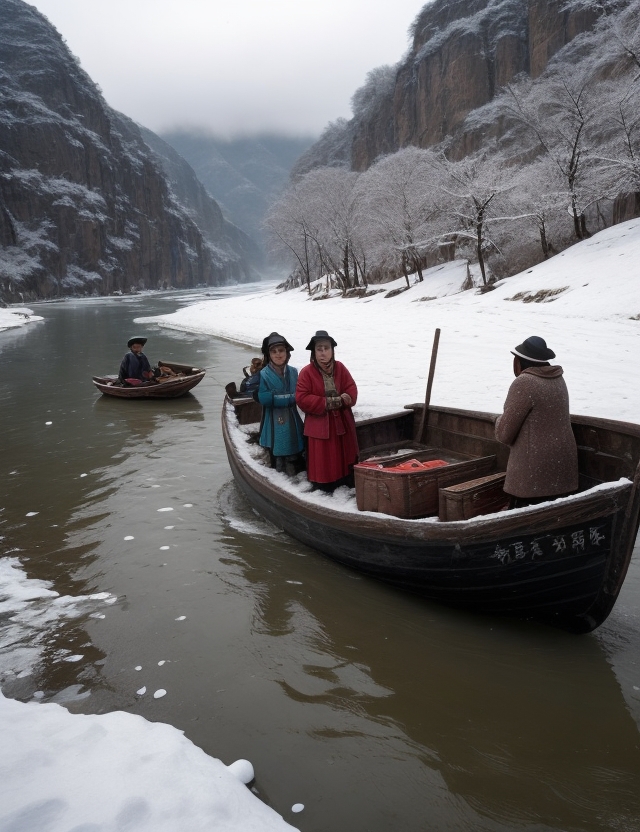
{"points": [[561, 562], [169, 389]]}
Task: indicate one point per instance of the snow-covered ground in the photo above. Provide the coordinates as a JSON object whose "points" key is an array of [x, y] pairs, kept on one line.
{"points": [[584, 302], [116, 771], [14, 316]]}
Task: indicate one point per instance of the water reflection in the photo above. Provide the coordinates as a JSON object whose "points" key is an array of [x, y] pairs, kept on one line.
{"points": [[141, 417], [525, 724]]}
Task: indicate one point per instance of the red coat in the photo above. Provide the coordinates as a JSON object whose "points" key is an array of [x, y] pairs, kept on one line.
{"points": [[331, 435]]}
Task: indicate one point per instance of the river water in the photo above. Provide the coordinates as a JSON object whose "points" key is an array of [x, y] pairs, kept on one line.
{"points": [[375, 710]]}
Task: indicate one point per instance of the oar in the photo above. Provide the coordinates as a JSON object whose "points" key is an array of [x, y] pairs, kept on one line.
{"points": [[427, 398]]}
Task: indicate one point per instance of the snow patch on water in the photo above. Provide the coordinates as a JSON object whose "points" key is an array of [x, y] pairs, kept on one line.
{"points": [[29, 611]]}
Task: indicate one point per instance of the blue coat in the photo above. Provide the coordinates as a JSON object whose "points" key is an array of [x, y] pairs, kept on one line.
{"points": [[133, 366], [251, 384], [281, 424]]}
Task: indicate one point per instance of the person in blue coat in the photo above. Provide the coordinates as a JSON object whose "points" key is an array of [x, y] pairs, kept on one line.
{"points": [[281, 430], [135, 367]]}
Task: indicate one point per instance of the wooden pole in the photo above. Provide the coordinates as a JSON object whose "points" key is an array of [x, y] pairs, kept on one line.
{"points": [[427, 397]]}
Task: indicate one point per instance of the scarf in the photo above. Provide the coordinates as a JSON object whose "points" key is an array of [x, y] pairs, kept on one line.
{"points": [[334, 402]]}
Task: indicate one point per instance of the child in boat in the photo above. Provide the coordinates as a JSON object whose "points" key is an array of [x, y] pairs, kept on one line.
{"points": [[326, 393], [251, 381], [135, 368], [281, 429]]}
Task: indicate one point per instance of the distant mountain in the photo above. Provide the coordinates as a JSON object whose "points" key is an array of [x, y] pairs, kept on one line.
{"points": [[85, 206], [199, 205], [244, 175]]}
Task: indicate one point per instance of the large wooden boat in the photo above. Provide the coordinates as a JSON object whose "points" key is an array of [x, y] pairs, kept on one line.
{"points": [[562, 562], [169, 389]]}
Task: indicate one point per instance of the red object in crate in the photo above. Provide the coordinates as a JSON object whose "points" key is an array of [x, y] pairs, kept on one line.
{"points": [[416, 465]]}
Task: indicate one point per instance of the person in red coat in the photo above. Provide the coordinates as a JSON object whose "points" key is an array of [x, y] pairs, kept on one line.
{"points": [[325, 393]]}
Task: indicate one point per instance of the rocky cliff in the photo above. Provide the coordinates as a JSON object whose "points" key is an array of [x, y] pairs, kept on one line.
{"points": [[463, 51], [85, 206]]}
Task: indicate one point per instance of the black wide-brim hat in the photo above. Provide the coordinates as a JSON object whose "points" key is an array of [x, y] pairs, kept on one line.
{"points": [[534, 349], [136, 340], [272, 340], [321, 335]]}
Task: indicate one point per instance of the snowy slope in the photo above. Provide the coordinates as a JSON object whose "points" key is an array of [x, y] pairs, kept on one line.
{"points": [[586, 304]]}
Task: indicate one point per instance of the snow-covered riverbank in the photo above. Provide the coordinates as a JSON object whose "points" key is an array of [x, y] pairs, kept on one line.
{"points": [[13, 317], [63, 771], [585, 302]]}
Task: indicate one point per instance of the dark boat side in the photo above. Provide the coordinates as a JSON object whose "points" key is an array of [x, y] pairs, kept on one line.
{"points": [[562, 562], [170, 389]]}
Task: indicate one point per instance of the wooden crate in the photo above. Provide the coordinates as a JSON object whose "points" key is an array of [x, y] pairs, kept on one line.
{"points": [[413, 494], [470, 499]]}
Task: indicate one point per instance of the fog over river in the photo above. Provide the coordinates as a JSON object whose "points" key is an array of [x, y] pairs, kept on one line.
{"points": [[374, 709]]}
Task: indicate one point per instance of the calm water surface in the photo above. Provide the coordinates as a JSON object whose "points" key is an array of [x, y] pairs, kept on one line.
{"points": [[375, 710]]}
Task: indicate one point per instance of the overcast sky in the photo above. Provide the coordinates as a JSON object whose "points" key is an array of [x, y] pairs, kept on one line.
{"points": [[232, 66]]}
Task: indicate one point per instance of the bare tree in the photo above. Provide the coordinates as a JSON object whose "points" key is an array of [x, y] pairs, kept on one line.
{"points": [[396, 200], [539, 197], [559, 114], [291, 232], [616, 156], [479, 189], [328, 194]]}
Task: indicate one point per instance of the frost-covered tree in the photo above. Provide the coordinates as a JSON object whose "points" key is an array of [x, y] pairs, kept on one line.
{"points": [[539, 197], [616, 156], [479, 189], [333, 149], [377, 87], [314, 221], [329, 198], [397, 201], [559, 114], [292, 234]]}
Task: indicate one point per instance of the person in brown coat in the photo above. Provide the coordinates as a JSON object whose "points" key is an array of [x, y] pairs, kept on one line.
{"points": [[535, 423]]}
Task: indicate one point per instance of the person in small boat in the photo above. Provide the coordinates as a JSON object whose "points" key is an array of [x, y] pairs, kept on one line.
{"points": [[535, 423], [251, 381], [281, 427], [135, 368], [326, 393]]}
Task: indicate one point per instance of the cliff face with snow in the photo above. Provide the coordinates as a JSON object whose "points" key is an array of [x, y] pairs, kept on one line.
{"points": [[463, 52], [85, 205]]}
